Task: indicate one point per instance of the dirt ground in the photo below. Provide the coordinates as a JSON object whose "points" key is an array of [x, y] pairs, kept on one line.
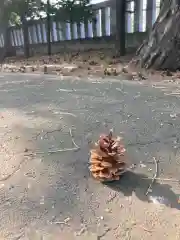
{"points": [[47, 195], [101, 63]]}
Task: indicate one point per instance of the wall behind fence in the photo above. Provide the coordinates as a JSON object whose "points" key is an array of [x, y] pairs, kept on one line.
{"points": [[143, 15]]}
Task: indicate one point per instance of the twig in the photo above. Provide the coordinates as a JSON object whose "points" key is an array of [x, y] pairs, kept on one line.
{"points": [[105, 232], [154, 177], [48, 132], [16, 169], [72, 138], [131, 144], [59, 150], [64, 149], [145, 229], [62, 222], [56, 130], [163, 179]]}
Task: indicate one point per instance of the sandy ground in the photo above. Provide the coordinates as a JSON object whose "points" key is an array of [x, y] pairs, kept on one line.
{"points": [[104, 62], [52, 196]]}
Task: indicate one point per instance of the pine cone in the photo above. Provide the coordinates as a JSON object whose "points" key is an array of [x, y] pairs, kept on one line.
{"points": [[107, 161]]}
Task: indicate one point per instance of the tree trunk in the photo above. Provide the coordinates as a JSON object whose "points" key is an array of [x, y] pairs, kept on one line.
{"points": [[161, 50], [7, 43], [48, 28], [26, 36], [120, 27]]}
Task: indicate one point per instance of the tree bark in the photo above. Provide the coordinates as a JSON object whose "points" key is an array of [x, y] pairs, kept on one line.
{"points": [[7, 50], [161, 50], [48, 28], [120, 27], [26, 36]]}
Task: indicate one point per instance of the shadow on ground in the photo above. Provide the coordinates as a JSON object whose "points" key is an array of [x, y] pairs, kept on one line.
{"points": [[138, 183]]}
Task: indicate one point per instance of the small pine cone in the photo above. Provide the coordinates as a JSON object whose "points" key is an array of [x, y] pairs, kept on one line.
{"points": [[108, 160]]}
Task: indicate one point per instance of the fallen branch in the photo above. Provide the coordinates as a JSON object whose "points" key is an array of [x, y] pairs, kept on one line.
{"points": [[154, 177]]}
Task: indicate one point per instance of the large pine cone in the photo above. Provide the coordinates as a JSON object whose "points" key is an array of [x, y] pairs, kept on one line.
{"points": [[108, 160]]}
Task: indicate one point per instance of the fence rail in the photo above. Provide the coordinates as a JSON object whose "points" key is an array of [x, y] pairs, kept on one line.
{"points": [[143, 15]]}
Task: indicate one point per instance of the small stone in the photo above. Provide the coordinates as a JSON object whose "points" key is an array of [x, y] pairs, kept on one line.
{"points": [[125, 69], [2, 185], [82, 230], [42, 200], [67, 220], [142, 165], [25, 150], [173, 115], [132, 166], [108, 210]]}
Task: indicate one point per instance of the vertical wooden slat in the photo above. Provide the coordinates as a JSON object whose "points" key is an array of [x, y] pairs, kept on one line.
{"points": [[1, 44], [113, 18], [130, 17], [149, 15], [15, 36], [108, 21], [75, 33], [72, 32], [21, 36], [44, 27], [2, 40], [90, 29], [18, 37], [136, 15], [60, 31], [12, 37], [35, 33], [31, 34], [103, 22], [41, 30], [55, 32], [82, 30], [98, 26], [68, 31]]}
